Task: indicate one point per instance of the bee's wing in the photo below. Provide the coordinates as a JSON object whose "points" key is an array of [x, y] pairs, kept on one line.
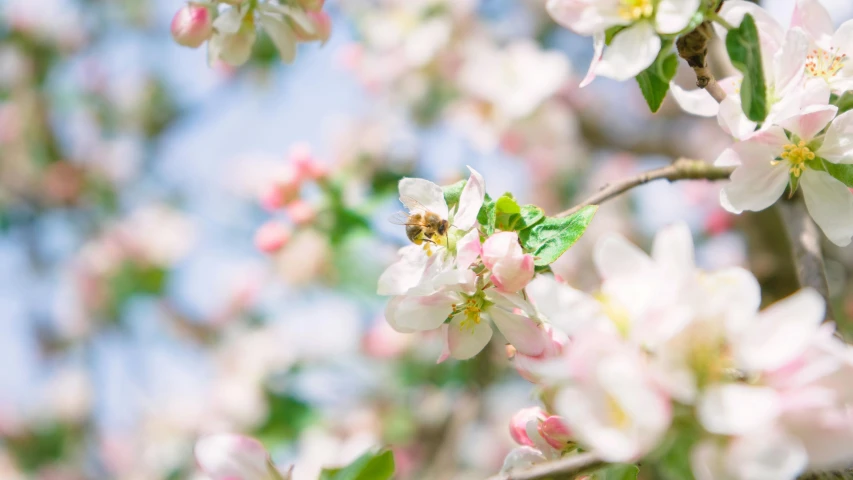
{"points": [[401, 218], [412, 204]]}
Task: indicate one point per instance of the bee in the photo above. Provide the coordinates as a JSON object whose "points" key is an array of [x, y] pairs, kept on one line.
{"points": [[421, 224]]}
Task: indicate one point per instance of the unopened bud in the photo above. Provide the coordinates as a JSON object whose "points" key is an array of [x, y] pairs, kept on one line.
{"points": [[227, 456], [321, 31], [192, 25], [312, 5], [272, 237], [305, 164], [555, 432], [519, 422], [301, 212]]}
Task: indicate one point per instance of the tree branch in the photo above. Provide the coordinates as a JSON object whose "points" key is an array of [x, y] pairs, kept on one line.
{"points": [[805, 247], [566, 468], [682, 169], [693, 47]]}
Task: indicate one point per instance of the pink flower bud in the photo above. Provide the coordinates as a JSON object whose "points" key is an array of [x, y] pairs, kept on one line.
{"points": [[228, 456], [555, 432], [192, 25], [322, 30], [312, 5], [301, 212], [306, 165], [280, 192], [272, 237], [511, 268], [518, 424]]}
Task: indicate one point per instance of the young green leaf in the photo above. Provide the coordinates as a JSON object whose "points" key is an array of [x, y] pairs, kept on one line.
{"points": [[844, 173], [617, 471], [654, 81], [452, 193], [744, 49], [370, 466], [551, 237], [487, 215], [843, 102]]}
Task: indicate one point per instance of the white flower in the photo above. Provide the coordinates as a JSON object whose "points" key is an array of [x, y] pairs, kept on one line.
{"points": [[767, 160], [227, 456], [634, 48], [829, 52]]}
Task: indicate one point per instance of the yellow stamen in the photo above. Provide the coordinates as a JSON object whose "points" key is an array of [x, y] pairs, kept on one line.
{"points": [[797, 155], [636, 9], [824, 64], [617, 414], [618, 314]]}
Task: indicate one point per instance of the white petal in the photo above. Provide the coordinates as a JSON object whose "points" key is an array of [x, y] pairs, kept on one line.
{"points": [[708, 462], [757, 183], [568, 309], [781, 333], [810, 121], [673, 15], [470, 201], [423, 313], [766, 455], [812, 17], [830, 203], [464, 343], [230, 21], [733, 12], [631, 51], [598, 50], [673, 249], [838, 143], [697, 102], [522, 332], [281, 35], [789, 64], [583, 18], [391, 314], [468, 248], [403, 274], [615, 256], [522, 458], [735, 409], [226, 456], [732, 119], [429, 195], [842, 40]]}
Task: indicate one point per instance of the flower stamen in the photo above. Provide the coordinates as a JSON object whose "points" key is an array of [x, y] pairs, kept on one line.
{"points": [[824, 64], [636, 9], [797, 155]]}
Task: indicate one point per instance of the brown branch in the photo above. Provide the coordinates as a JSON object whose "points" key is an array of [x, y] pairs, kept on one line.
{"points": [[804, 237], [566, 468], [682, 169], [693, 47]]}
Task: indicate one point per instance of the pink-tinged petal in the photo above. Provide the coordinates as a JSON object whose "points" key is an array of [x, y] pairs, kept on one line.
{"points": [[583, 17], [468, 248], [228, 456], [615, 256], [631, 51], [518, 424], [733, 12], [522, 458], [781, 333], [445, 350], [757, 183], [810, 121], [598, 46], [522, 332], [838, 143], [511, 268], [732, 119], [391, 314], [707, 461], [568, 309], [830, 203], [812, 17], [789, 64], [465, 342], [842, 41], [429, 195], [405, 273], [791, 104], [728, 158], [470, 201], [768, 454], [499, 247], [674, 15], [555, 431], [697, 102], [423, 313], [736, 409]]}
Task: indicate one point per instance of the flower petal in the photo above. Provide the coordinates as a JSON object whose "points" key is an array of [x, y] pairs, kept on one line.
{"points": [[789, 64], [697, 102], [568, 309], [809, 121], [422, 313], [615, 256], [838, 143], [631, 51], [598, 41], [830, 203], [673, 250], [464, 343], [766, 455], [229, 22], [225, 456], [732, 119], [403, 274], [522, 458], [468, 248], [735, 409], [429, 195], [520, 331], [757, 183], [812, 17], [281, 35], [470, 201], [673, 15]]}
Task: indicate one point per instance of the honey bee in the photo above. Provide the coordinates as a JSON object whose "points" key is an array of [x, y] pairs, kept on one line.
{"points": [[421, 224]]}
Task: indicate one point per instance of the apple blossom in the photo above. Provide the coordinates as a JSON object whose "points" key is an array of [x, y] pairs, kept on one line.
{"points": [[533, 447], [272, 237], [233, 37], [511, 268], [228, 456], [795, 151], [192, 25], [301, 212], [829, 49]]}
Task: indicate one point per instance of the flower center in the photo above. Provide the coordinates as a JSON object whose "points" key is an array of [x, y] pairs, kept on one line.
{"points": [[823, 64], [797, 155], [617, 413], [472, 308], [617, 314], [636, 9]]}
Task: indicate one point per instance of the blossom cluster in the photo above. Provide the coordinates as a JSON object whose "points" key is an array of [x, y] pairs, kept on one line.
{"points": [[230, 26], [667, 356]]}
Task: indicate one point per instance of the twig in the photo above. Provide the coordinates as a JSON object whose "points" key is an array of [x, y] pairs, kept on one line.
{"points": [[566, 468], [682, 169], [693, 47], [805, 247]]}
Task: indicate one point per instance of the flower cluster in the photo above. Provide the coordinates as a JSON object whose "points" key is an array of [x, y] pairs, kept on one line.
{"points": [[229, 26], [668, 356]]}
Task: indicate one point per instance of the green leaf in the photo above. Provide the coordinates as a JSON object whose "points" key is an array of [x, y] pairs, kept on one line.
{"points": [[487, 215], [844, 173], [553, 236], [654, 81], [453, 192], [507, 212], [844, 102], [744, 50], [617, 471], [531, 215], [611, 32], [370, 466]]}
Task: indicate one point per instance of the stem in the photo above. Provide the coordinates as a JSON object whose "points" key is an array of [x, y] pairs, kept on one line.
{"points": [[565, 468], [693, 47], [805, 247], [722, 21], [682, 169]]}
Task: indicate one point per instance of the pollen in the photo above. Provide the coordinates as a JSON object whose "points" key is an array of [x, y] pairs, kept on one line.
{"points": [[825, 64], [617, 413], [797, 155], [636, 9]]}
